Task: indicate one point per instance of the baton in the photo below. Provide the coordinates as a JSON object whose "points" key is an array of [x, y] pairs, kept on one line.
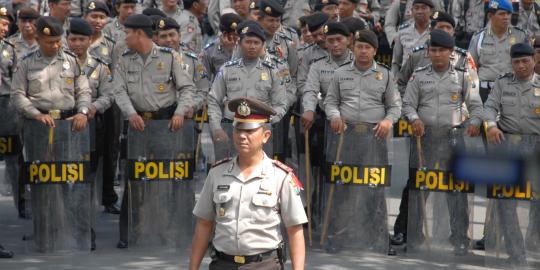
{"points": [[421, 165]]}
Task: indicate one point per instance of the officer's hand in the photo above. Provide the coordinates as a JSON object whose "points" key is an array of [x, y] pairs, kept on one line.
{"points": [[189, 113], [79, 121], [92, 112], [418, 128], [307, 119], [219, 135], [45, 119], [136, 122], [177, 121], [337, 124], [382, 129], [472, 131], [495, 135]]}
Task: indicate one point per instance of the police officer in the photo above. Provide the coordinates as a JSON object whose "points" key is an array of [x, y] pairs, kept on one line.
{"points": [[363, 91], [442, 110], [250, 185], [190, 28], [470, 16], [219, 51], [170, 9], [328, 7], [168, 33], [115, 28], [149, 81], [247, 76], [411, 34], [97, 15], [490, 46], [25, 40], [512, 108], [526, 16]]}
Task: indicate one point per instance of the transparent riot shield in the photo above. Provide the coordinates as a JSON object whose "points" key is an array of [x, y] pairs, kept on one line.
{"points": [[511, 230], [225, 148], [160, 197], [357, 173], [440, 206], [56, 168]]}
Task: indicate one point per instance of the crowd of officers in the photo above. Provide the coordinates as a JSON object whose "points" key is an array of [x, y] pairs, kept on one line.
{"points": [[448, 63]]}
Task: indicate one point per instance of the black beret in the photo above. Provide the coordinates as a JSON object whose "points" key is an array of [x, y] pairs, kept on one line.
{"points": [[251, 28], [368, 37], [425, 2], [440, 16], [316, 21], [301, 22], [536, 41], [28, 13], [229, 22], [440, 38], [153, 11], [96, 6], [118, 2], [80, 27], [138, 21], [271, 8], [5, 13], [521, 50], [49, 26], [155, 21], [335, 28], [323, 3], [354, 24], [167, 24]]}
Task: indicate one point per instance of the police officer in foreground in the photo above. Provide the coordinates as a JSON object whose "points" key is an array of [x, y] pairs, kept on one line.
{"points": [[24, 40], [245, 200], [490, 47], [149, 81], [513, 107]]}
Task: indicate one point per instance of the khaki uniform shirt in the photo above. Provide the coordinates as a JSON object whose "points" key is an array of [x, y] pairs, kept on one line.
{"points": [[100, 81], [8, 62], [471, 19], [21, 47], [103, 49], [55, 83], [517, 103], [158, 82], [528, 20], [491, 54], [363, 97], [197, 73], [283, 47], [213, 57], [320, 76], [190, 31], [406, 40], [235, 80], [438, 101], [248, 211], [311, 53]]}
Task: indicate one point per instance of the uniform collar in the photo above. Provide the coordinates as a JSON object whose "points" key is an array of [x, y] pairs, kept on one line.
{"points": [[507, 33], [257, 65], [373, 67], [450, 70], [262, 170]]}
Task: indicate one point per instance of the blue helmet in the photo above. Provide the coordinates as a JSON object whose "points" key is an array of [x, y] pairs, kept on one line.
{"points": [[501, 5]]}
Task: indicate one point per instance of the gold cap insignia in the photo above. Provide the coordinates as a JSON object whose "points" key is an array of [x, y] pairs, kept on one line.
{"points": [[494, 5], [161, 24], [537, 110], [69, 81], [243, 109], [3, 11], [512, 40], [245, 30], [268, 10], [234, 25], [161, 87], [325, 29], [46, 31], [92, 5], [252, 5], [104, 51], [357, 35], [5, 54], [264, 76], [436, 15]]}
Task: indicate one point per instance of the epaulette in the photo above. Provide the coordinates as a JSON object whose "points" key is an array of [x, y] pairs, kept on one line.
{"points": [[345, 63], [268, 64], [165, 49], [290, 29], [460, 50], [127, 52], [403, 26], [418, 48], [209, 45], [282, 166], [70, 53], [219, 162], [460, 69], [110, 39], [99, 60], [382, 65], [508, 74], [183, 44], [192, 55], [422, 68], [319, 59], [29, 54], [8, 43], [305, 46], [479, 31], [283, 35], [518, 28], [232, 63]]}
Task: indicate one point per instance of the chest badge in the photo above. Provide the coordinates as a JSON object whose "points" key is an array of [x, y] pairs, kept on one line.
{"points": [[160, 66], [5, 53], [378, 76], [66, 65], [537, 110], [454, 98], [537, 92], [69, 81], [94, 75], [161, 87], [264, 76], [512, 40], [104, 51]]}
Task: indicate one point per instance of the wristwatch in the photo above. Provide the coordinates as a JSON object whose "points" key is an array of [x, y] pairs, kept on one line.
{"points": [[84, 111]]}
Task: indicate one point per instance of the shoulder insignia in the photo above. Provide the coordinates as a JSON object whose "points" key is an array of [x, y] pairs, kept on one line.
{"points": [[293, 181], [232, 63], [284, 36], [508, 74], [192, 55], [165, 49], [290, 29], [8, 43], [127, 52], [518, 28], [282, 166], [460, 50], [307, 46], [403, 26], [479, 31], [29, 54], [345, 64], [109, 39], [219, 162], [268, 64], [209, 45], [319, 59], [382, 65], [422, 68], [460, 69], [418, 48], [99, 60], [70, 53]]}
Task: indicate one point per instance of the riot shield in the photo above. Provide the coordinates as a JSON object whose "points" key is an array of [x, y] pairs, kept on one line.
{"points": [[225, 148], [160, 197], [440, 206], [358, 170], [511, 230], [56, 168]]}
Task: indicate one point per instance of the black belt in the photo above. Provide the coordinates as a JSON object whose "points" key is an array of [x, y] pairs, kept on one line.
{"points": [[225, 120], [486, 84], [60, 114], [161, 114], [246, 259]]}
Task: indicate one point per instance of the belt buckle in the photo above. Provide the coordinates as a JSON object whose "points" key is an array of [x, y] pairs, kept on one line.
{"points": [[147, 116], [55, 114], [240, 259]]}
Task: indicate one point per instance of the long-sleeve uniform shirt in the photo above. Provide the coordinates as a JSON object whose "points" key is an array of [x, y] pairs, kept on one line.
{"points": [[8, 62], [407, 39], [100, 81], [213, 57]]}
